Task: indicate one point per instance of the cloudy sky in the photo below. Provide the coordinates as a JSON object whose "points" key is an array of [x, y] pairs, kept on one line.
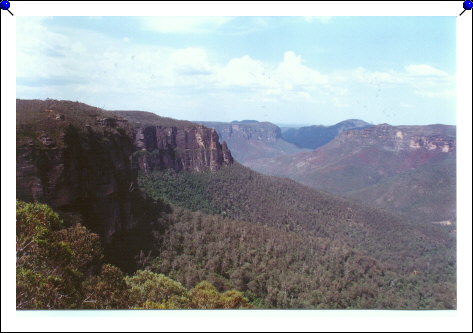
{"points": [[288, 70]]}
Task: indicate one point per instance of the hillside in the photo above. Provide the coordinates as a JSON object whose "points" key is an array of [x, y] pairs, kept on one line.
{"points": [[85, 160], [240, 193], [250, 139], [405, 169], [313, 137], [279, 211], [168, 198]]}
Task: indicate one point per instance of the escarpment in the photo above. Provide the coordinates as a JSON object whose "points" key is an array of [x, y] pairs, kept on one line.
{"points": [[182, 149], [435, 138], [251, 139], [85, 160]]}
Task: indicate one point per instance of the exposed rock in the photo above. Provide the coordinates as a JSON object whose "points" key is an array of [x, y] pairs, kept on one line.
{"points": [[401, 138], [90, 176], [248, 130], [182, 149], [92, 170], [108, 122], [46, 140], [250, 139]]}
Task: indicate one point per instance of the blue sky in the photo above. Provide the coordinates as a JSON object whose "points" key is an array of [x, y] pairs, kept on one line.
{"points": [[300, 70]]}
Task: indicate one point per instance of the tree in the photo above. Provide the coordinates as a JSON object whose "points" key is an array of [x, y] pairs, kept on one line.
{"points": [[150, 290], [52, 263], [108, 290], [205, 296]]}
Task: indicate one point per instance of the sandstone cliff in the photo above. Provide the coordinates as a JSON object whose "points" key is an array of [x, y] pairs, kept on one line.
{"points": [[248, 130], [250, 139], [182, 149], [85, 160], [438, 138]]}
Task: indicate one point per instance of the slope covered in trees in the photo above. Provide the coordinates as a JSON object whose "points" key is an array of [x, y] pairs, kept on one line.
{"points": [[280, 269], [240, 193], [60, 267], [312, 229]]}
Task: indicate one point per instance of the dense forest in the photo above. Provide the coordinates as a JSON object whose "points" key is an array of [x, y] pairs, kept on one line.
{"points": [[239, 193], [297, 244], [62, 267]]}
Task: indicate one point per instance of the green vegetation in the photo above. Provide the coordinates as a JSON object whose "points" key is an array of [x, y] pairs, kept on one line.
{"points": [[53, 118], [318, 228], [192, 190], [62, 268], [426, 194]]}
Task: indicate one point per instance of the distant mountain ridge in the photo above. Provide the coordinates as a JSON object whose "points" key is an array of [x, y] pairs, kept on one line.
{"points": [[315, 136], [251, 139], [377, 159]]}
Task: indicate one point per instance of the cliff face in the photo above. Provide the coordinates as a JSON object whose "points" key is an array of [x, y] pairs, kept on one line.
{"points": [[246, 130], [435, 138], [250, 140], [85, 160], [182, 149], [88, 173]]}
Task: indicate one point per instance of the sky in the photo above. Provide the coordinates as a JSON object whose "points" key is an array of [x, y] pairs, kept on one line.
{"points": [[287, 70]]}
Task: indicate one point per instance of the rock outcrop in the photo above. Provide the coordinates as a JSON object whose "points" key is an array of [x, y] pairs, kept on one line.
{"points": [[438, 138], [251, 139], [247, 130], [182, 149], [87, 163], [89, 174]]}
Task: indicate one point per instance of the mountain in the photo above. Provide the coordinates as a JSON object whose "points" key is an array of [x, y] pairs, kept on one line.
{"points": [[406, 169], [282, 242], [315, 136], [166, 195], [84, 159], [251, 139]]}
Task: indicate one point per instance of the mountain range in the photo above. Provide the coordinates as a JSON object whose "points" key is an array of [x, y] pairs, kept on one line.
{"points": [[405, 169], [315, 136], [171, 197]]}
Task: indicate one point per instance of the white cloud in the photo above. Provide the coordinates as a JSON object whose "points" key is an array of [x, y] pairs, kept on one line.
{"points": [[95, 65], [423, 80], [287, 77], [245, 71], [424, 70], [183, 24], [190, 61]]}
